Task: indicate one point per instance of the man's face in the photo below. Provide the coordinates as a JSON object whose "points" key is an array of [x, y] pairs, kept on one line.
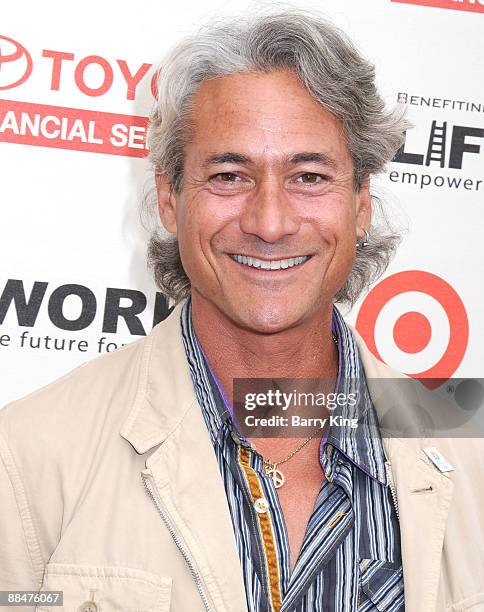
{"points": [[267, 176]]}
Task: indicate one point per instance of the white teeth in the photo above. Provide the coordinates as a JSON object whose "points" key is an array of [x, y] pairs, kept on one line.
{"points": [[275, 264]]}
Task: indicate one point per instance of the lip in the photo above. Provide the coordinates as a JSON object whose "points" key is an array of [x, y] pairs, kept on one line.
{"points": [[272, 258], [265, 273]]}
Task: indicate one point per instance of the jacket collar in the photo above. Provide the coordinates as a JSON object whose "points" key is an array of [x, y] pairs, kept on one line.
{"points": [[164, 392]]}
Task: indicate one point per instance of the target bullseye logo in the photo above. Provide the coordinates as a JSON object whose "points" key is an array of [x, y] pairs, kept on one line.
{"points": [[416, 322], [15, 63]]}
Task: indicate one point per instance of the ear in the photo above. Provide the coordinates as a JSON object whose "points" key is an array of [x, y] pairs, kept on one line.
{"points": [[363, 207], [166, 202]]}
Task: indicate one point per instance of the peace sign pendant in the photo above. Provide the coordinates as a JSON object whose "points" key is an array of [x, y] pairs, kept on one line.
{"points": [[276, 475]]}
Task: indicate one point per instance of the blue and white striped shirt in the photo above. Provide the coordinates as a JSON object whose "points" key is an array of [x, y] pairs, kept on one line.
{"points": [[350, 557]]}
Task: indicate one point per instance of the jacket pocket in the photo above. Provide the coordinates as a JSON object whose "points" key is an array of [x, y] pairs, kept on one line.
{"points": [[381, 584], [89, 588]]}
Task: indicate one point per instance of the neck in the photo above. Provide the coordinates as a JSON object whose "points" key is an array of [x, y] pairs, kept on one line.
{"points": [[304, 351]]}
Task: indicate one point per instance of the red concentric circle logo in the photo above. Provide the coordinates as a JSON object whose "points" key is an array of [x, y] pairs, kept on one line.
{"points": [[416, 322], [15, 63]]}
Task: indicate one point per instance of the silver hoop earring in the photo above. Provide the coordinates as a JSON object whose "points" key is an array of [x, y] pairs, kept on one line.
{"points": [[365, 240]]}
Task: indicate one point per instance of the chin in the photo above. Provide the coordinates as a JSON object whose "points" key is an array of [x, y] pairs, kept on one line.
{"points": [[267, 318]]}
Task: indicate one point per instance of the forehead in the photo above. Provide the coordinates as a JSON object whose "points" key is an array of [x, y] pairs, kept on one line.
{"points": [[267, 114]]}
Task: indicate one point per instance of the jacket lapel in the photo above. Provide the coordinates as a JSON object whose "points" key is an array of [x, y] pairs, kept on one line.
{"points": [[424, 497], [189, 485], [184, 469], [424, 494]]}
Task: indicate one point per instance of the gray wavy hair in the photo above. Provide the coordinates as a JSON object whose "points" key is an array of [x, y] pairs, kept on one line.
{"points": [[334, 73]]}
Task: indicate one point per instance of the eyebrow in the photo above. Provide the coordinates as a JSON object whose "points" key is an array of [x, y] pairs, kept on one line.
{"points": [[230, 157], [227, 157], [310, 156]]}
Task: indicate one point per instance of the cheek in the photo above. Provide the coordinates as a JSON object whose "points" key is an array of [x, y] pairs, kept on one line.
{"points": [[199, 224], [335, 224]]}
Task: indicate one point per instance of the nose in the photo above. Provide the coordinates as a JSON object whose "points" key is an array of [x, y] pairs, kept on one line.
{"points": [[269, 214]]}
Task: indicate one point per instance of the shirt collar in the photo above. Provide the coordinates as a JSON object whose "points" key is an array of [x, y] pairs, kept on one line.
{"points": [[361, 445]]}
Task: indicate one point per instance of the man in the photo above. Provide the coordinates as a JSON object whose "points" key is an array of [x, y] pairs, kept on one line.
{"points": [[128, 484]]}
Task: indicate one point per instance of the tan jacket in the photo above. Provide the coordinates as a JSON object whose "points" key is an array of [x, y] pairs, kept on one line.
{"points": [[111, 492]]}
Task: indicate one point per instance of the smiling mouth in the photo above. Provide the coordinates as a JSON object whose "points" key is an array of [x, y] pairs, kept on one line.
{"points": [[273, 264]]}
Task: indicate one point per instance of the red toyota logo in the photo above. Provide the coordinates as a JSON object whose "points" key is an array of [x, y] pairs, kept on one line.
{"points": [[15, 63], [416, 322]]}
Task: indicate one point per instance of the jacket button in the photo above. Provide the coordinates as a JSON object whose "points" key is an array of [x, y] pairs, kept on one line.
{"points": [[261, 505], [87, 606]]}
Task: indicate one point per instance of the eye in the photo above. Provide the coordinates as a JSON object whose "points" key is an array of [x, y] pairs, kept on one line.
{"points": [[226, 177], [310, 178], [224, 183]]}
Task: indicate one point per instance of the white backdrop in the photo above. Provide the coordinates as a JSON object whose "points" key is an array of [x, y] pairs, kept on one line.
{"points": [[74, 94]]}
